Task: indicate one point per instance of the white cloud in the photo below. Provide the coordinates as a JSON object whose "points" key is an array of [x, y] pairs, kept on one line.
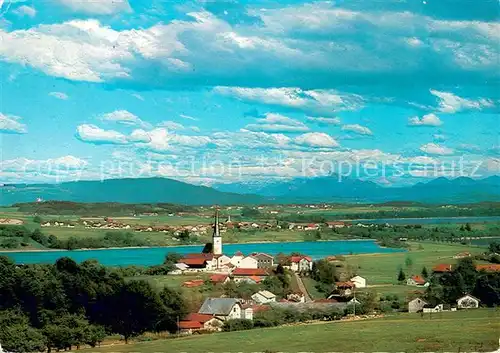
{"points": [[439, 137], [97, 7], [323, 120], [468, 148], [161, 140], [325, 101], [277, 123], [426, 120], [93, 134], [171, 125], [358, 129], [316, 139], [25, 10], [450, 103], [140, 136], [138, 96], [10, 124], [188, 117], [434, 148], [59, 95], [43, 166], [123, 117]]}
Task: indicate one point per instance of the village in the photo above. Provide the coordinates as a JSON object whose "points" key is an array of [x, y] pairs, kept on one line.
{"points": [[255, 268]]}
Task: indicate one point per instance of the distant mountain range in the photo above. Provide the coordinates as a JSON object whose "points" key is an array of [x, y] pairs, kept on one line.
{"points": [[324, 189], [330, 189]]}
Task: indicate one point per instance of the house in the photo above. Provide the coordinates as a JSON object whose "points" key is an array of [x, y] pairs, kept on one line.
{"points": [[301, 263], [442, 268], [488, 268], [198, 322], [468, 302], [339, 299], [237, 257], [199, 264], [335, 224], [296, 297], [263, 260], [219, 278], [264, 297], [462, 255], [431, 308], [246, 274], [416, 305], [359, 282], [344, 289], [222, 261], [179, 269], [248, 262], [223, 308], [417, 280]]}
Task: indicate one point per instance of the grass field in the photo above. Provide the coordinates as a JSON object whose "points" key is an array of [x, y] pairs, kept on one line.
{"points": [[475, 330], [383, 268]]}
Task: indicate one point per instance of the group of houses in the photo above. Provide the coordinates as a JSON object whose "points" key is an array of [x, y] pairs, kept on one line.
{"points": [[420, 305]]}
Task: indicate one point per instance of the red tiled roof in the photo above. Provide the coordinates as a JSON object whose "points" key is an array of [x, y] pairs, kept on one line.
{"points": [[207, 257], [260, 308], [198, 317], [296, 259], [186, 325], [239, 253], [194, 283], [256, 279], [418, 279], [193, 261], [488, 268], [218, 278], [442, 268], [250, 272]]}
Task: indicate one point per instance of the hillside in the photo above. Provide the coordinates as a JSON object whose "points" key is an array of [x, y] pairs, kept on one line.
{"points": [[146, 190]]}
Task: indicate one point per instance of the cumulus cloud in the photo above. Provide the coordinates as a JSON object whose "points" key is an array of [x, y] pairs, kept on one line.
{"points": [[316, 139], [93, 134], [325, 101], [25, 10], [434, 148], [450, 103], [123, 117], [277, 123], [171, 125], [59, 95], [426, 120], [323, 121], [97, 7], [439, 137], [10, 124], [357, 129]]}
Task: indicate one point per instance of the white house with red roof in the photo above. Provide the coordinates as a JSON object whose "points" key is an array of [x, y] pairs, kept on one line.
{"points": [[200, 322], [417, 281], [301, 263]]}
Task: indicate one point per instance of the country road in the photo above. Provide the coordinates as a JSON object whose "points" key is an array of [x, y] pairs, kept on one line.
{"points": [[302, 288]]}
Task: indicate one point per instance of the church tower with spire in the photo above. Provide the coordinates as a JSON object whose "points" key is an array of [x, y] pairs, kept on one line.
{"points": [[216, 238]]}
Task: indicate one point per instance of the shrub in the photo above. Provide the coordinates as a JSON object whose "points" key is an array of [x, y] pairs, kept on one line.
{"points": [[237, 325]]}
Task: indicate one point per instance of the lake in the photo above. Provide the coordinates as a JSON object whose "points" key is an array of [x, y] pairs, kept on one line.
{"points": [[155, 256], [432, 220]]}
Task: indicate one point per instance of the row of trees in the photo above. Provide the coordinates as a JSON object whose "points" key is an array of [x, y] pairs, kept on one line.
{"points": [[68, 304]]}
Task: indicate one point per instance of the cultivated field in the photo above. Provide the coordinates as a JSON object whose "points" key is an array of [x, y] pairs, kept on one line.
{"points": [[473, 331]]}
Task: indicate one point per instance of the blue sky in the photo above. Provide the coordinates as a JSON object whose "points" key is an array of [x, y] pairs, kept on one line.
{"points": [[223, 91]]}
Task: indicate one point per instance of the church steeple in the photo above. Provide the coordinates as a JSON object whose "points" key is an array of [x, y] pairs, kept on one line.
{"points": [[216, 238]]}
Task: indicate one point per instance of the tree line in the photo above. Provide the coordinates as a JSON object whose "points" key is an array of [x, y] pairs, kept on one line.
{"points": [[66, 304]]}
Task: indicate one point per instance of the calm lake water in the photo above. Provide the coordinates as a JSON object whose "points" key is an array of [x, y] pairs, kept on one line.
{"points": [[155, 256], [437, 220]]}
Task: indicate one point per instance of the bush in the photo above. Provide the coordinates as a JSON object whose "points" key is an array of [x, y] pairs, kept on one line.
{"points": [[237, 325]]}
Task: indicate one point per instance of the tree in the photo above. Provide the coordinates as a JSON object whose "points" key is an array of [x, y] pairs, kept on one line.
{"points": [[424, 272], [184, 236], [17, 336], [324, 271], [468, 227], [208, 248], [409, 263], [37, 219], [134, 309], [401, 276], [249, 212]]}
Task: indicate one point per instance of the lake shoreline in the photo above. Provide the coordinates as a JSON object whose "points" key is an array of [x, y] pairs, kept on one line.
{"points": [[172, 246]]}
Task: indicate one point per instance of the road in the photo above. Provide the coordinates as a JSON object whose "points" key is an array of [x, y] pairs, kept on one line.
{"points": [[302, 288]]}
